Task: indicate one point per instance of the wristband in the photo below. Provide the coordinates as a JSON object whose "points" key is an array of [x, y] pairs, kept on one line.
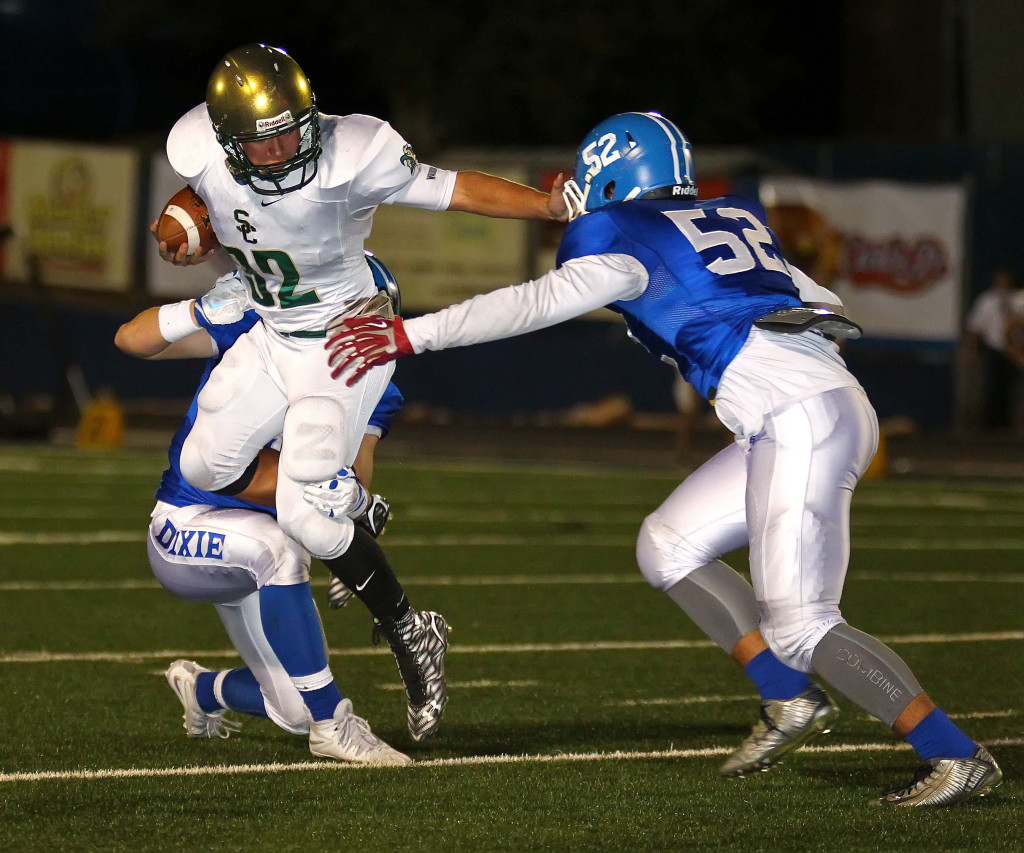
{"points": [[176, 321]]}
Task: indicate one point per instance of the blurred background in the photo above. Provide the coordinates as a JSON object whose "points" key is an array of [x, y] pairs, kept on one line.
{"points": [[886, 140]]}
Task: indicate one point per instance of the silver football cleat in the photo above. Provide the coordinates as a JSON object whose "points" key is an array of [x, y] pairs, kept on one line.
{"points": [[346, 737], [945, 781], [785, 725], [419, 641]]}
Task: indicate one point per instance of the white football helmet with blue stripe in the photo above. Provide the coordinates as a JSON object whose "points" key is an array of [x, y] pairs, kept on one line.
{"points": [[627, 156]]}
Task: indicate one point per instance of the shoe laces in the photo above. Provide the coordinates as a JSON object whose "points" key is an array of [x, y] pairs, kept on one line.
{"points": [[217, 725], [353, 728]]}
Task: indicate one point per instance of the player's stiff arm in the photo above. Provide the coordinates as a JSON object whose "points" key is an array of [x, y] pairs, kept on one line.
{"points": [[703, 284]]}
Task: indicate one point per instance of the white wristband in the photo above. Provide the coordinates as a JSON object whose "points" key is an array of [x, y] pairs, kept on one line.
{"points": [[176, 321]]}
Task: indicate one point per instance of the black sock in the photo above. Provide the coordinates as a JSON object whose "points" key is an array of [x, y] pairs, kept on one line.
{"points": [[365, 570]]}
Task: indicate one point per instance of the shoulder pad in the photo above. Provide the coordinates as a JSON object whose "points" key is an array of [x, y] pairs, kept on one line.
{"points": [[192, 145], [346, 142]]}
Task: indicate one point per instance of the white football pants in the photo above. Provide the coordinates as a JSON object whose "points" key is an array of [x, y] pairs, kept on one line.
{"points": [[788, 495], [224, 556], [268, 386]]}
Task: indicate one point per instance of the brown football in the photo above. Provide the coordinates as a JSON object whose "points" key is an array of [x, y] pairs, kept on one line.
{"points": [[185, 219]]}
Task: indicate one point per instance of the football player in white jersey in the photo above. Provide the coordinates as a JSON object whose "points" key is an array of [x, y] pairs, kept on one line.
{"points": [[704, 285], [291, 195]]}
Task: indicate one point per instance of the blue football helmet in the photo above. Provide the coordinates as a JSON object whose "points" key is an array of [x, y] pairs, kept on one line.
{"points": [[385, 281], [627, 156]]}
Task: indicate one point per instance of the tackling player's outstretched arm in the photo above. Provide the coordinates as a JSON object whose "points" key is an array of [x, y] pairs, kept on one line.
{"points": [[144, 335], [174, 330], [580, 285]]}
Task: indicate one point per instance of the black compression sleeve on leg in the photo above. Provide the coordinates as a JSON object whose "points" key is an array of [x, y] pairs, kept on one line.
{"points": [[365, 570], [242, 483]]}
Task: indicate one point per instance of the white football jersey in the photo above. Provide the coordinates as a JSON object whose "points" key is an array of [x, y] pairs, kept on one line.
{"points": [[302, 252]]}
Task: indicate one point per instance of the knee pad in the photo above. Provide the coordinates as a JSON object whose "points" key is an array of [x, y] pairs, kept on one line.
{"points": [[793, 642], [313, 444], [666, 556], [203, 469]]}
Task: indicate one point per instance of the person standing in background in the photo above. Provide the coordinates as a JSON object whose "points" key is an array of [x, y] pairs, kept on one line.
{"points": [[986, 337]]}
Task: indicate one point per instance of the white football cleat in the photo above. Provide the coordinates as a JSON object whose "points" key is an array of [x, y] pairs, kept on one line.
{"points": [[181, 676], [347, 737]]}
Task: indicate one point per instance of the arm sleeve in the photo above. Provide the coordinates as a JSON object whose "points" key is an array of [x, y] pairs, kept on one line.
{"points": [[578, 286], [430, 188]]}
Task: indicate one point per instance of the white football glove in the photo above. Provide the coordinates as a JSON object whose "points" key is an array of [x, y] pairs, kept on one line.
{"points": [[344, 495], [226, 301]]}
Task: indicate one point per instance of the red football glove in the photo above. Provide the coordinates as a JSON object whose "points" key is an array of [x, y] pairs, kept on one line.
{"points": [[364, 342]]}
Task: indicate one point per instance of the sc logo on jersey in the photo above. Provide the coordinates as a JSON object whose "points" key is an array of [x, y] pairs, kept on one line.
{"points": [[245, 226]]}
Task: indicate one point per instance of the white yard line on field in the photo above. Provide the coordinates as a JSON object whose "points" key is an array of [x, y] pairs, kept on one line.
{"points": [[467, 761], [554, 579], [683, 700], [518, 648], [469, 685], [509, 540]]}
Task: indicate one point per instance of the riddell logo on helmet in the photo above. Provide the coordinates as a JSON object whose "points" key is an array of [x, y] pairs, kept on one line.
{"points": [[265, 124]]}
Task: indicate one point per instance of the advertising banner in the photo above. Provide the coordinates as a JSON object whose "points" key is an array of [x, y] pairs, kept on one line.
{"points": [[893, 252], [441, 258], [72, 209]]}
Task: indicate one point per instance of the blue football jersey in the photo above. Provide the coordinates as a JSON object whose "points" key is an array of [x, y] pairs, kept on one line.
{"points": [[174, 489], [714, 268]]}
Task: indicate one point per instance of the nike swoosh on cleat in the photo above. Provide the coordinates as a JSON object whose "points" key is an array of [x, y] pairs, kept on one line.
{"points": [[359, 586]]}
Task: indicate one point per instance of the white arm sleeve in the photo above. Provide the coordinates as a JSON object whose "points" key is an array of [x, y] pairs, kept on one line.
{"points": [[811, 291], [579, 286], [431, 189]]}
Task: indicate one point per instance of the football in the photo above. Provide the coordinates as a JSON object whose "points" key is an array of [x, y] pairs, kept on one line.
{"points": [[185, 219]]}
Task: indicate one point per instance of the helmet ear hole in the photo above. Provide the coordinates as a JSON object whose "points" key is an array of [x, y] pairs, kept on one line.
{"points": [[609, 190]]}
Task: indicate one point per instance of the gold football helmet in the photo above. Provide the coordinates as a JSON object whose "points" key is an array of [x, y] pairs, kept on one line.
{"points": [[257, 92]]}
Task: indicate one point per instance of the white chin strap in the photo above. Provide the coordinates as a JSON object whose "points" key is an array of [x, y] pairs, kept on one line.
{"points": [[576, 199]]}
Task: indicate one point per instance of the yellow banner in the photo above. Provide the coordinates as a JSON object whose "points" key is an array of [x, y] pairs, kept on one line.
{"points": [[73, 210]]}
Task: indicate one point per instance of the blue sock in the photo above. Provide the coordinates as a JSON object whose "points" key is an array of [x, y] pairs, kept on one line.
{"points": [[937, 736], [773, 679], [240, 689], [292, 627], [204, 693]]}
